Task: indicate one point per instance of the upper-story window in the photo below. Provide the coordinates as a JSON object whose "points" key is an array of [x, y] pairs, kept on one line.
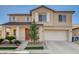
{"points": [[27, 19], [62, 18], [42, 17], [12, 18]]}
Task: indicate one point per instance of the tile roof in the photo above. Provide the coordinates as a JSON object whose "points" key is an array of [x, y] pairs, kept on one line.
{"points": [[19, 23]]}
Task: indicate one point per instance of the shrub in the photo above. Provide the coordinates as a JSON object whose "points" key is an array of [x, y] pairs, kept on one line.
{"points": [[1, 40], [17, 42], [8, 48], [39, 47], [10, 38]]}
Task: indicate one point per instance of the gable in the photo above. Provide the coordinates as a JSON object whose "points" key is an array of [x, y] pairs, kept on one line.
{"points": [[41, 8], [49, 9]]}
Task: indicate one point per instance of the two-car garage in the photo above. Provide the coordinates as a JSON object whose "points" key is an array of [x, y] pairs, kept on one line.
{"points": [[55, 35]]}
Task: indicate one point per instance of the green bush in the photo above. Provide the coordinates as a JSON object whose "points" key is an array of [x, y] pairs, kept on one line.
{"points": [[40, 47], [7, 48], [17, 42], [10, 38], [1, 40]]}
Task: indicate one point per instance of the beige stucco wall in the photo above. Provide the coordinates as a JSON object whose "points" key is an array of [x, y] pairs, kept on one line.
{"points": [[43, 10], [68, 19], [41, 33], [19, 18], [54, 17]]}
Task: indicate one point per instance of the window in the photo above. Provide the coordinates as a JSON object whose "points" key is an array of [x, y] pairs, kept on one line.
{"points": [[42, 18], [12, 18], [26, 19], [9, 18], [7, 33], [62, 18], [14, 32]]}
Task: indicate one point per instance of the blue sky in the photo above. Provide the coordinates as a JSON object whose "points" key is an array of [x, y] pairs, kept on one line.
{"points": [[9, 9]]}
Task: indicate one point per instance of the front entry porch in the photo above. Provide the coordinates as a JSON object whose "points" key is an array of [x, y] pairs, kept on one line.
{"points": [[20, 32]]}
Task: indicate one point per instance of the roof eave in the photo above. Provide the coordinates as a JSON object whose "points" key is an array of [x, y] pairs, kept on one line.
{"points": [[66, 12]]}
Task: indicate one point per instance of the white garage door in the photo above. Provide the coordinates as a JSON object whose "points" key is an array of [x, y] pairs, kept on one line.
{"points": [[55, 35]]}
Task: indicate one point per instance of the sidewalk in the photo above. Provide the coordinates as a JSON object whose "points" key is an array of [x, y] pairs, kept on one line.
{"points": [[24, 52], [13, 52]]}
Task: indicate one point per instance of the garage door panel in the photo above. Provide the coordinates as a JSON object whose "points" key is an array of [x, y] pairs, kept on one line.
{"points": [[55, 35]]}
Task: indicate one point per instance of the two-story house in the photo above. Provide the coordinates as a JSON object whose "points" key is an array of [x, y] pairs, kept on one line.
{"points": [[52, 25]]}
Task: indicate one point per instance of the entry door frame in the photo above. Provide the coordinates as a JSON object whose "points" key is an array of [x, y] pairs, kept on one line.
{"points": [[26, 34]]}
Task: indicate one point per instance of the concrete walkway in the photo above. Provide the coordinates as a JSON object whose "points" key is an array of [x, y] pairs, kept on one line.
{"points": [[22, 46], [62, 47]]}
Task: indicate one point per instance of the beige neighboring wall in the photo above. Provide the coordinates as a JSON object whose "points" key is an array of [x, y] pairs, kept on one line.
{"points": [[75, 30], [0, 31]]}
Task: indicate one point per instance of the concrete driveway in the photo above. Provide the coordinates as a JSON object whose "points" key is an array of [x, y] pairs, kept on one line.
{"points": [[62, 47]]}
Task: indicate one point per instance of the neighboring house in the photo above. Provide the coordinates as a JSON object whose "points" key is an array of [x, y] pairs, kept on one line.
{"points": [[0, 31], [75, 30], [53, 25]]}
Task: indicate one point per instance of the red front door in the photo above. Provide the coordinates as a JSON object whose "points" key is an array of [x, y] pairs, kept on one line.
{"points": [[26, 34]]}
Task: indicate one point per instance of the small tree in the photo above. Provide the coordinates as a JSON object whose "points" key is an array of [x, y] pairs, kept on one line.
{"points": [[33, 33]]}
